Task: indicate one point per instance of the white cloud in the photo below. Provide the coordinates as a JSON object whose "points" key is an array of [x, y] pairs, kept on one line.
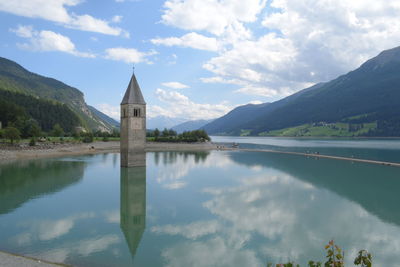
{"points": [[255, 102], [117, 19], [172, 59], [56, 11], [175, 85], [219, 79], [128, 55], [192, 40], [211, 252], [174, 167], [304, 42], [83, 248], [46, 230], [334, 37], [91, 24], [24, 31], [213, 16], [192, 231], [265, 91], [113, 216], [110, 110], [54, 229], [179, 105], [90, 246], [48, 41]]}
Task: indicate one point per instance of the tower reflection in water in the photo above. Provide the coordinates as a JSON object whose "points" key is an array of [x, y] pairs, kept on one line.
{"points": [[133, 205]]}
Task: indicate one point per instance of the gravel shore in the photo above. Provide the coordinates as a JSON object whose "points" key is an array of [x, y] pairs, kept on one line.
{"points": [[11, 153], [11, 260]]}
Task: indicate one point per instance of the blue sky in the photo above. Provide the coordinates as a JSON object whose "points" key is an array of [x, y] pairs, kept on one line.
{"points": [[195, 59]]}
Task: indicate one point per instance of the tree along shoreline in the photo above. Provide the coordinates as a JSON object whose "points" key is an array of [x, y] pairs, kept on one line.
{"points": [[171, 136]]}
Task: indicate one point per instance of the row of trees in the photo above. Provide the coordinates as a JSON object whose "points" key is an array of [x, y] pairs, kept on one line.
{"points": [[31, 129], [169, 135]]}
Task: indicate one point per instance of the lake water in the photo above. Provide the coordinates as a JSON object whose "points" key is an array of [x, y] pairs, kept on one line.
{"points": [[387, 149], [220, 208]]}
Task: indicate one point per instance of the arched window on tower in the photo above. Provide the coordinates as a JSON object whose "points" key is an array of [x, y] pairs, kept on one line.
{"points": [[136, 112]]}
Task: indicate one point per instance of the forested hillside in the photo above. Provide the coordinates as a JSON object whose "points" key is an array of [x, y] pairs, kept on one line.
{"points": [[15, 78], [369, 94], [17, 108]]}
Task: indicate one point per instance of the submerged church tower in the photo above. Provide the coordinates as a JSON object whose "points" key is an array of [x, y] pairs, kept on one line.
{"points": [[133, 126]]}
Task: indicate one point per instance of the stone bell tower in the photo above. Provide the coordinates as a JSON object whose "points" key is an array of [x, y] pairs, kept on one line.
{"points": [[133, 126]]}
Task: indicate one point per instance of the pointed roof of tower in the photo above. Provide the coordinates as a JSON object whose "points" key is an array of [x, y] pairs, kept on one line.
{"points": [[133, 94]]}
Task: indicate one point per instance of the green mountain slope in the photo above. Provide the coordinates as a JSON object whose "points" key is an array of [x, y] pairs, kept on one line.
{"points": [[231, 123], [47, 113], [104, 117], [190, 125], [15, 78], [369, 94]]}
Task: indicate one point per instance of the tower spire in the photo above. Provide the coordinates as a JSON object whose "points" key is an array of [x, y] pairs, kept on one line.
{"points": [[133, 94]]}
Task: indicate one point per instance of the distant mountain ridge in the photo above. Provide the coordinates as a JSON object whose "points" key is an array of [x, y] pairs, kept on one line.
{"points": [[15, 78], [161, 122], [190, 125], [369, 94]]}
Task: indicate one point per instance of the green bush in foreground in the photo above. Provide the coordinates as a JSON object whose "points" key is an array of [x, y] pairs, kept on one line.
{"points": [[334, 258]]}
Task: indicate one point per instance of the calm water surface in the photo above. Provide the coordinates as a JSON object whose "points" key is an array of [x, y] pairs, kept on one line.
{"points": [[375, 149], [198, 209]]}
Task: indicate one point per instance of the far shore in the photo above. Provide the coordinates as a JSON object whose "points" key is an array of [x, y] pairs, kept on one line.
{"points": [[316, 137], [61, 150]]}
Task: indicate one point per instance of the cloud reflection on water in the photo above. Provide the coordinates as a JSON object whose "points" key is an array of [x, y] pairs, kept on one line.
{"points": [[273, 216], [172, 167]]}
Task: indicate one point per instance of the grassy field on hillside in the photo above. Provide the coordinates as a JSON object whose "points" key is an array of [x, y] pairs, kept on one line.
{"points": [[325, 130]]}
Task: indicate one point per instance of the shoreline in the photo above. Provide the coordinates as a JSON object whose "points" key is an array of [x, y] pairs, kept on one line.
{"points": [[12, 259], [319, 137], [62, 150], [99, 147]]}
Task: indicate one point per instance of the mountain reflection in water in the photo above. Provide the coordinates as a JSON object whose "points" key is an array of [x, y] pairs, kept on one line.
{"points": [[375, 188], [26, 180]]}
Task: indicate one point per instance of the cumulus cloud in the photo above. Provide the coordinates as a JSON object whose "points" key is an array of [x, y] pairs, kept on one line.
{"points": [[213, 16], [128, 55], [46, 230], [174, 167], [179, 105], [56, 11], [47, 41], [117, 19], [333, 37], [304, 42], [192, 231], [192, 40], [110, 110], [83, 248], [175, 85]]}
